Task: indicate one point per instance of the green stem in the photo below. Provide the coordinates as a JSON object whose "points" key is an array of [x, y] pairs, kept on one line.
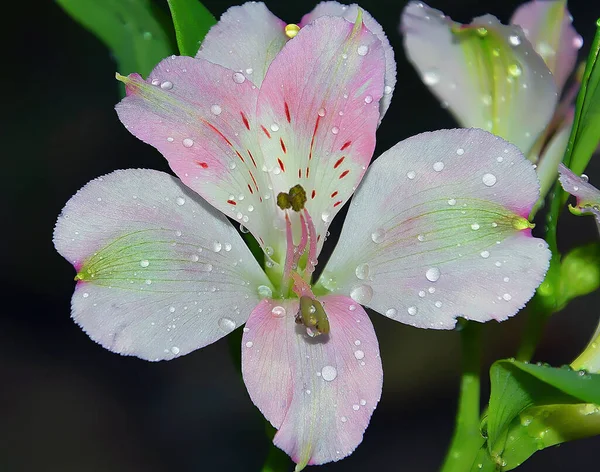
{"points": [[467, 439], [539, 309]]}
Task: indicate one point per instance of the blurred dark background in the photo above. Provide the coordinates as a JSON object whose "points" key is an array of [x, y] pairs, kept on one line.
{"points": [[66, 404]]}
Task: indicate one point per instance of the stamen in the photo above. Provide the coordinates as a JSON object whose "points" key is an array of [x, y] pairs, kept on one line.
{"points": [[312, 237], [289, 257], [291, 30], [313, 316]]}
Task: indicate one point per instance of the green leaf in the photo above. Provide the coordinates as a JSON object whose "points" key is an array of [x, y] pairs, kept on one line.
{"points": [[579, 273], [585, 134], [517, 386], [134, 30], [192, 21]]}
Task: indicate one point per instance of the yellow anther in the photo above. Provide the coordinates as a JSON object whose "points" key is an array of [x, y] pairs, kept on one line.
{"points": [[313, 316], [294, 199], [291, 30], [519, 223]]}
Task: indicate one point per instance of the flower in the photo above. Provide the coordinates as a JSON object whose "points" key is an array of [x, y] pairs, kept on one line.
{"points": [[437, 230], [588, 196], [505, 79]]}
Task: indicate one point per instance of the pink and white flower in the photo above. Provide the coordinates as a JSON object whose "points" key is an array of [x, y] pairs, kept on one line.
{"points": [[277, 135]]}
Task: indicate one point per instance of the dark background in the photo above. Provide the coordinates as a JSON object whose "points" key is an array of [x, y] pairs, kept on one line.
{"points": [[66, 404]]}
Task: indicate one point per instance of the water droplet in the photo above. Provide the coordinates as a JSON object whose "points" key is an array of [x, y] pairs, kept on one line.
{"points": [[362, 271], [452, 202], [328, 373], [432, 274], [239, 78], [489, 179], [412, 310], [363, 402], [326, 216], [264, 291], [227, 324], [85, 295], [359, 355], [368, 99], [507, 296], [321, 112], [378, 235], [278, 311], [438, 166], [420, 237], [486, 99], [170, 139], [515, 70], [269, 250], [362, 294], [343, 419], [188, 143], [180, 201], [274, 127], [357, 343], [387, 90], [171, 309], [148, 282], [249, 344], [422, 293], [411, 174], [438, 304], [243, 229], [514, 40], [585, 178], [362, 50], [216, 246], [485, 254], [474, 226], [175, 350], [166, 85], [215, 110], [145, 263], [431, 77], [335, 130], [460, 151], [391, 312]]}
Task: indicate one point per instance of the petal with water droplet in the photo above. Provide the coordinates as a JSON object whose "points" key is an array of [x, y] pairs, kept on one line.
{"points": [[350, 12], [315, 91], [549, 28], [453, 271], [201, 146], [246, 38], [149, 283], [319, 392], [588, 196], [487, 73]]}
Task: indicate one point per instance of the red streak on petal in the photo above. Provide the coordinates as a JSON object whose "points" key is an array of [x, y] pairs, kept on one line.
{"points": [[281, 165], [318, 238], [245, 120], [338, 162], [204, 165], [299, 173], [252, 191], [261, 240], [251, 157], [307, 172], [240, 156], [334, 194], [314, 194], [253, 180], [337, 203], [287, 112], [231, 202], [312, 141], [266, 131], [283, 148], [219, 133], [344, 174], [346, 145]]}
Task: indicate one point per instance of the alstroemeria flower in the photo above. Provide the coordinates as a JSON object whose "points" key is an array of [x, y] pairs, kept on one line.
{"points": [[500, 78], [588, 196], [436, 231]]}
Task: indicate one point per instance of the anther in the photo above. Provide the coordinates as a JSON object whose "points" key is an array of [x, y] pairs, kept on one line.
{"points": [[291, 30]]}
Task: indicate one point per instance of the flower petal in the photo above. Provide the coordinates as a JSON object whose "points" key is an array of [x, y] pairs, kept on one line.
{"points": [[318, 109], [552, 157], [438, 230], [548, 26], [318, 392], [246, 39], [349, 12], [160, 272], [486, 73], [588, 196], [200, 116]]}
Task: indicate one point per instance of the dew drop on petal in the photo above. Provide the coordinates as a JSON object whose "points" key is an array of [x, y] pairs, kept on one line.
{"points": [[515, 70], [362, 293], [188, 143], [485, 254], [474, 226], [378, 235], [321, 112], [180, 201], [215, 110], [328, 373], [452, 202], [216, 246], [362, 271], [144, 263], [431, 77], [387, 90], [274, 127], [489, 179], [432, 274], [362, 50], [359, 355], [326, 216], [412, 310], [368, 99], [227, 324], [514, 40], [175, 350], [278, 311], [507, 297], [335, 130], [391, 312], [166, 85], [239, 78], [438, 166], [264, 291], [249, 344], [460, 151]]}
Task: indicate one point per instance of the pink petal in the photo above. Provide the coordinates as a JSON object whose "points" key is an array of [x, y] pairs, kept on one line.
{"points": [[349, 12], [486, 73], [588, 196], [160, 272], [200, 116], [246, 39], [318, 392], [548, 25], [438, 230], [318, 109]]}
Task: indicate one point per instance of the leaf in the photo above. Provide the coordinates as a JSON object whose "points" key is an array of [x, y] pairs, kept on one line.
{"points": [[134, 30], [192, 21], [579, 273], [585, 134], [517, 386]]}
